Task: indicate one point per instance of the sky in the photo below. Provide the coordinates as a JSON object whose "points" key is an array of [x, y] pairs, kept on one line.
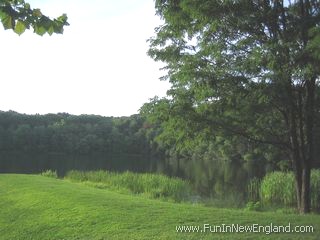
{"points": [[98, 66]]}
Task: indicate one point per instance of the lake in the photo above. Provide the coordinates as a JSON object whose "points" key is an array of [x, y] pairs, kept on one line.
{"points": [[35, 163]]}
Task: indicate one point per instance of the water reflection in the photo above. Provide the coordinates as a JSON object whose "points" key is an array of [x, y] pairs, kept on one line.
{"points": [[36, 163]]}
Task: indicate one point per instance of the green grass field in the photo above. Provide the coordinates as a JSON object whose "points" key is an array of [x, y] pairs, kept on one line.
{"points": [[38, 207]]}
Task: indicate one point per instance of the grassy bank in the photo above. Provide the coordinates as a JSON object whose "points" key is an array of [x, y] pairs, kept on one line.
{"points": [[37, 207], [154, 186]]}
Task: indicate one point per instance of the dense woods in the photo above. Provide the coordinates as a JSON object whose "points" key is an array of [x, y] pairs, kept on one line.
{"points": [[65, 133]]}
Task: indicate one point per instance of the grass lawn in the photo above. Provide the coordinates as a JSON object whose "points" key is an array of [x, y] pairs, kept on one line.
{"points": [[37, 207]]}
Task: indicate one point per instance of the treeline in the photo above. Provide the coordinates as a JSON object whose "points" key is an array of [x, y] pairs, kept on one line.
{"points": [[70, 134]]}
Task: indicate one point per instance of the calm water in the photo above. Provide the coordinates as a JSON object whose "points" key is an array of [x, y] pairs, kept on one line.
{"points": [[36, 163]]}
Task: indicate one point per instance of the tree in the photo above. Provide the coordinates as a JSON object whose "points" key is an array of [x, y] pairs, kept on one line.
{"points": [[19, 16], [248, 68]]}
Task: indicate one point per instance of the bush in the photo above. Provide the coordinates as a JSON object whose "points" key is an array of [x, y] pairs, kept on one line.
{"points": [[49, 173], [150, 185]]}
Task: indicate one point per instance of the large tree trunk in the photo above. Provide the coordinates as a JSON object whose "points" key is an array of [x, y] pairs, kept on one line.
{"points": [[302, 172], [302, 177], [305, 191], [301, 124], [309, 153]]}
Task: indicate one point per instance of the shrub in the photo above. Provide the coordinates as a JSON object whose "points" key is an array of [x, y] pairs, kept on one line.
{"points": [[49, 173]]}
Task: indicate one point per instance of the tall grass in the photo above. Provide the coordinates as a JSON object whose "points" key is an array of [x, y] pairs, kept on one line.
{"points": [[253, 190], [49, 173], [150, 185], [315, 190], [278, 189]]}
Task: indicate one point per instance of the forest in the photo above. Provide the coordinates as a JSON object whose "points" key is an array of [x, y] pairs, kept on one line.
{"points": [[70, 134]]}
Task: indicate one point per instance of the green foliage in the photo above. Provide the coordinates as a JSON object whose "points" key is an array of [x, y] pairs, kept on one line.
{"points": [[19, 16], [253, 206], [217, 166], [239, 68], [70, 134], [315, 190], [150, 185], [253, 190], [278, 189], [49, 173], [287, 210]]}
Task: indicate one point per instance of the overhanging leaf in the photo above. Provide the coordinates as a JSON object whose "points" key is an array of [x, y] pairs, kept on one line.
{"points": [[7, 22], [37, 12], [20, 27], [40, 30], [50, 30], [2, 14]]}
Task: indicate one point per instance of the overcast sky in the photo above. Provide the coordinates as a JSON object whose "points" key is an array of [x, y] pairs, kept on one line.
{"points": [[98, 66]]}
